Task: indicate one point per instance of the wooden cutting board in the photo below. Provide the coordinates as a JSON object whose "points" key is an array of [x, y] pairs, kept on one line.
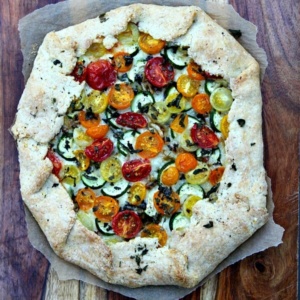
{"points": [[272, 274]]}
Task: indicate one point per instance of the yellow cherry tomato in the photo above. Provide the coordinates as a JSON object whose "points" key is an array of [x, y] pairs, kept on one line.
{"points": [[149, 44], [83, 162], [111, 169], [187, 86], [155, 231], [224, 126], [137, 193], [189, 204]]}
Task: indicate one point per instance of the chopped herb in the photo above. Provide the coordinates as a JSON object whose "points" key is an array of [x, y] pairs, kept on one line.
{"points": [[229, 184], [233, 167], [55, 185], [128, 60], [102, 18], [57, 62], [210, 224], [175, 102], [198, 171], [252, 144], [241, 122], [181, 120]]}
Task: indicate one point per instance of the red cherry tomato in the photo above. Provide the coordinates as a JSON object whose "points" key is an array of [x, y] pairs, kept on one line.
{"points": [[100, 150], [79, 72], [204, 137], [57, 165], [132, 120], [159, 72], [101, 74], [136, 169], [126, 224]]}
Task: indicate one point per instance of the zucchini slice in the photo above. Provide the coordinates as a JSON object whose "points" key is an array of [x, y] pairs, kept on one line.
{"points": [[111, 116], [126, 143], [104, 228], [212, 156], [212, 84], [215, 119], [141, 102], [136, 73], [93, 179], [178, 221], [65, 147], [188, 189], [177, 56], [116, 189]]}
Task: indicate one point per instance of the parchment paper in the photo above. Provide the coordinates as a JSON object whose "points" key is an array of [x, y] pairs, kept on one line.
{"points": [[34, 27]]}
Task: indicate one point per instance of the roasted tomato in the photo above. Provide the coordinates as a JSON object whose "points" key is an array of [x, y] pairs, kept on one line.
{"points": [[120, 96], [159, 72], [83, 162], [57, 165], [137, 193], [224, 126], [166, 201], [136, 169], [185, 162], [88, 119], [187, 86], [110, 169], [180, 123], [215, 175], [149, 44], [101, 74], [85, 198], [132, 120], [126, 224], [79, 72], [122, 61], [155, 231], [150, 143], [170, 176], [105, 208], [97, 132], [194, 71], [201, 104], [99, 150], [204, 137]]}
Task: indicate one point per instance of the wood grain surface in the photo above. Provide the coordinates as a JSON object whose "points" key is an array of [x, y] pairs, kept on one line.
{"points": [[272, 274]]}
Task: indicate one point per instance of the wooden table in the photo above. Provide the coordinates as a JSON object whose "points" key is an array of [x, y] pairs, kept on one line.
{"points": [[272, 274]]}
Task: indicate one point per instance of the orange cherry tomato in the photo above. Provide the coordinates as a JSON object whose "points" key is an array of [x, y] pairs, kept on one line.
{"points": [[88, 119], [170, 176], [180, 123], [149, 44], [185, 162], [137, 193], [224, 126], [187, 86], [105, 208], [122, 61], [201, 104], [215, 175], [155, 231], [120, 96], [85, 198], [166, 201], [97, 132], [150, 143], [195, 71]]}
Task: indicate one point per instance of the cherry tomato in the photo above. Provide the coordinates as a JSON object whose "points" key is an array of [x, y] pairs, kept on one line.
{"points": [[149, 44], [110, 169], [120, 96], [99, 150], [122, 61], [57, 165], [224, 126], [180, 123], [194, 71], [215, 175], [97, 132], [199, 175], [85, 198], [185, 162], [155, 231], [170, 176], [88, 119], [188, 205], [137, 193], [70, 175], [201, 104], [159, 72], [83, 162], [96, 50], [150, 143], [97, 101], [166, 202], [105, 208], [204, 137], [126, 224], [79, 72], [136, 169], [132, 120], [187, 86], [101, 74]]}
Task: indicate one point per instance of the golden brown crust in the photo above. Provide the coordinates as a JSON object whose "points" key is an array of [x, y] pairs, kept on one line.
{"points": [[240, 209]]}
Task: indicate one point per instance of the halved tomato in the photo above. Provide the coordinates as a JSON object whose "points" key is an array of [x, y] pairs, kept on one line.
{"points": [[170, 176], [159, 71], [99, 150], [120, 96], [166, 201], [149, 44], [155, 231], [150, 144], [122, 61], [88, 119], [126, 224], [132, 120], [105, 208], [201, 104], [224, 126], [180, 123], [187, 86], [57, 164], [85, 198], [195, 71], [100, 74], [83, 162], [136, 169], [185, 162], [79, 72], [98, 132], [137, 193], [110, 169], [204, 137], [215, 175]]}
